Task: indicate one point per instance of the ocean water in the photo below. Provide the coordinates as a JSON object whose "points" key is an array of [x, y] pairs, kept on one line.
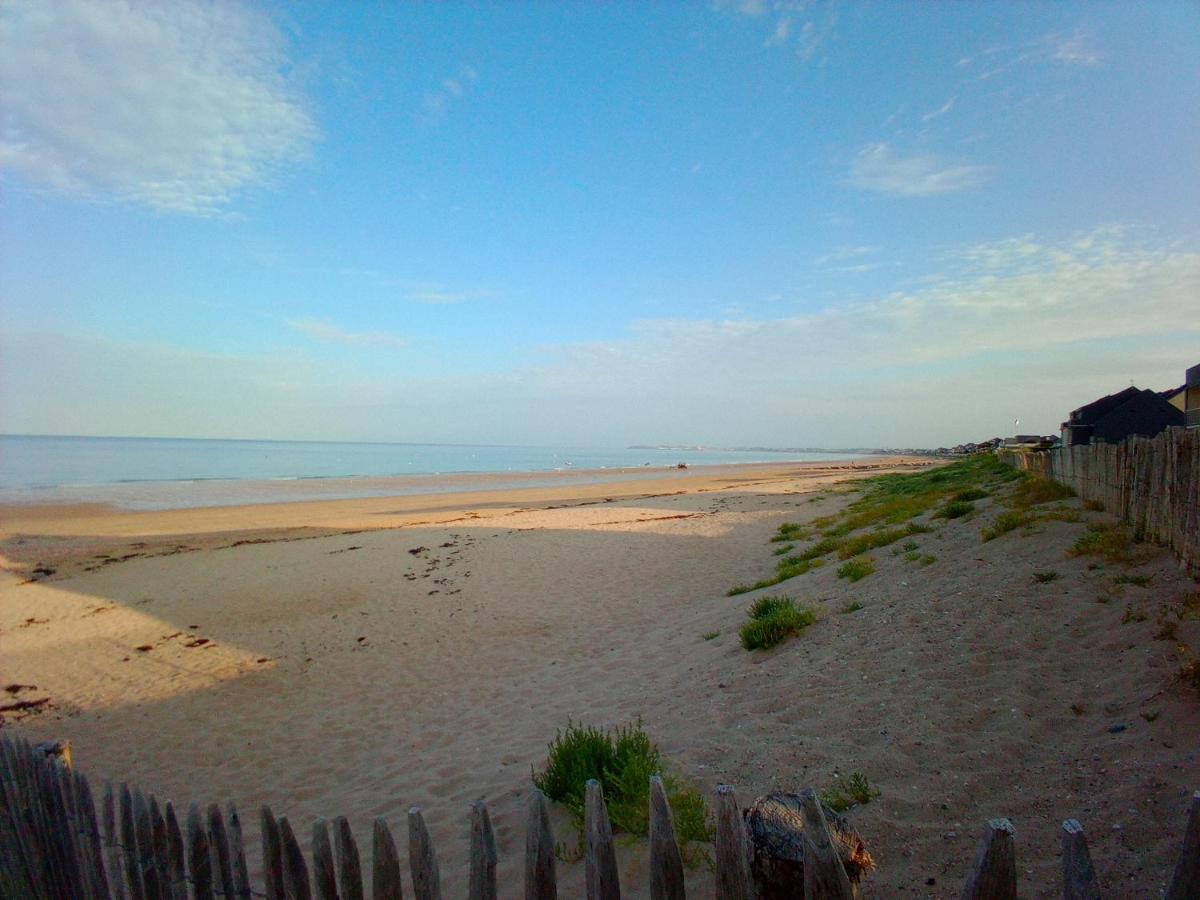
{"points": [[151, 473]]}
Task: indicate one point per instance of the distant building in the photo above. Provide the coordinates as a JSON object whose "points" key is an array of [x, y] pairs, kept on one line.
{"points": [[1029, 442], [1128, 412], [1191, 397]]}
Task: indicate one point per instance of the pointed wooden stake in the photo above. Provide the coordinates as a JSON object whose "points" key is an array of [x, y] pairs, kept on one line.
{"points": [[483, 854], [541, 881], [599, 853], [993, 874]]}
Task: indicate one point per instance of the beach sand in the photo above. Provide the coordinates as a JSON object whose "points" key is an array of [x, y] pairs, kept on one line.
{"points": [[360, 657]]}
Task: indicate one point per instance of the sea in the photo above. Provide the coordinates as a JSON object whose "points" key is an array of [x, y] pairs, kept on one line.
{"points": [[170, 473]]}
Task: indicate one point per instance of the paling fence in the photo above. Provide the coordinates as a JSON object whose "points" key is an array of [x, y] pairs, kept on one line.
{"points": [[1151, 483], [53, 844]]}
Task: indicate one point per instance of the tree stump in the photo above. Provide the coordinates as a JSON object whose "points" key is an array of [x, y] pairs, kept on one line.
{"points": [[775, 834]]}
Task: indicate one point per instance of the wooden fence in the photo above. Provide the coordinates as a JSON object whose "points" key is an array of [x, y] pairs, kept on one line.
{"points": [[1151, 483], [52, 846]]}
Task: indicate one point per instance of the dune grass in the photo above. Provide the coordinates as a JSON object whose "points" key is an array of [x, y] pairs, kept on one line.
{"points": [[772, 620], [1035, 490], [955, 509], [1111, 542], [1004, 523], [853, 791], [857, 568], [622, 760]]}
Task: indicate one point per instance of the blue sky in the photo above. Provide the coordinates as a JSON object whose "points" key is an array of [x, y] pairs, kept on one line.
{"points": [[759, 223]]}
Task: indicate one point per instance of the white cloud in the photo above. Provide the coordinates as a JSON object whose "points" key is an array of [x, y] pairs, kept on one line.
{"points": [[878, 168], [940, 111], [436, 103], [326, 332], [1024, 327], [780, 35], [1075, 49], [179, 106]]}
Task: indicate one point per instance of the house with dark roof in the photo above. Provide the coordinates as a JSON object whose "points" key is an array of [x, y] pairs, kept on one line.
{"points": [[1191, 397], [1120, 415]]}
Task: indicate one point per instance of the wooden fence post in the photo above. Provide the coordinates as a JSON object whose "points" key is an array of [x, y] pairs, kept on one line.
{"points": [[272, 854], [241, 874], [993, 874], [133, 874], [1185, 881], [91, 833], [385, 864], [324, 877], [666, 864], [483, 854], [295, 870], [824, 874], [600, 856], [733, 871], [176, 869], [218, 843], [422, 860], [199, 856], [1079, 878], [348, 866], [541, 881]]}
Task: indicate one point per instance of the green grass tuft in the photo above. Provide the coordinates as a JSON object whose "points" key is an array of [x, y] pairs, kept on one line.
{"points": [[970, 494], [1045, 577], [1108, 541], [1136, 580], [1003, 524], [622, 760], [955, 509], [857, 568], [852, 607], [1036, 490], [874, 539], [849, 792], [709, 635], [773, 620]]}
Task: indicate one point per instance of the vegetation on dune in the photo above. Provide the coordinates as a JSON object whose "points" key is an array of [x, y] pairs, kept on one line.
{"points": [[847, 792], [857, 568], [1004, 523], [1044, 577], [1111, 542], [872, 540], [773, 620], [888, 506], [1035, 490], [955, 509], [622, 760]]}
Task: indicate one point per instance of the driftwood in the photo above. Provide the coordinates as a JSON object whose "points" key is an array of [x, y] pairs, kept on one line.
{"points": [[775, 832]]}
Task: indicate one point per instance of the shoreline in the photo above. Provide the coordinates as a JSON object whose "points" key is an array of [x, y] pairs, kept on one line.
{"points": [[200, 493], [62, 540]]}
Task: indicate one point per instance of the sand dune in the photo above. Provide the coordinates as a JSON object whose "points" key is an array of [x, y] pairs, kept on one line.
{"points": [[359, 657]]}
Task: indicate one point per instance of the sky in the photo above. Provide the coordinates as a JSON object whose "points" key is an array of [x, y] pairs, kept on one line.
{"points": [[787, 224]]}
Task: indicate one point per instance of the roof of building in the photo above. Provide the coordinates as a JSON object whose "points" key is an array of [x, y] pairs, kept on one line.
{"points": [[1144, 413], [1097, 409]]}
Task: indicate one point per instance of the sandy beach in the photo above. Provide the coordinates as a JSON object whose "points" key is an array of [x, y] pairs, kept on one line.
{"points": [[358, 657]]}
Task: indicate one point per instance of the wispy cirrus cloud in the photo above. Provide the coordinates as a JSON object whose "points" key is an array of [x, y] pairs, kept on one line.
{"points": [[805, 26], [326, 332], [879, 168], [940, 111], [178, 106], [1076, 48], [435, 104]]}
